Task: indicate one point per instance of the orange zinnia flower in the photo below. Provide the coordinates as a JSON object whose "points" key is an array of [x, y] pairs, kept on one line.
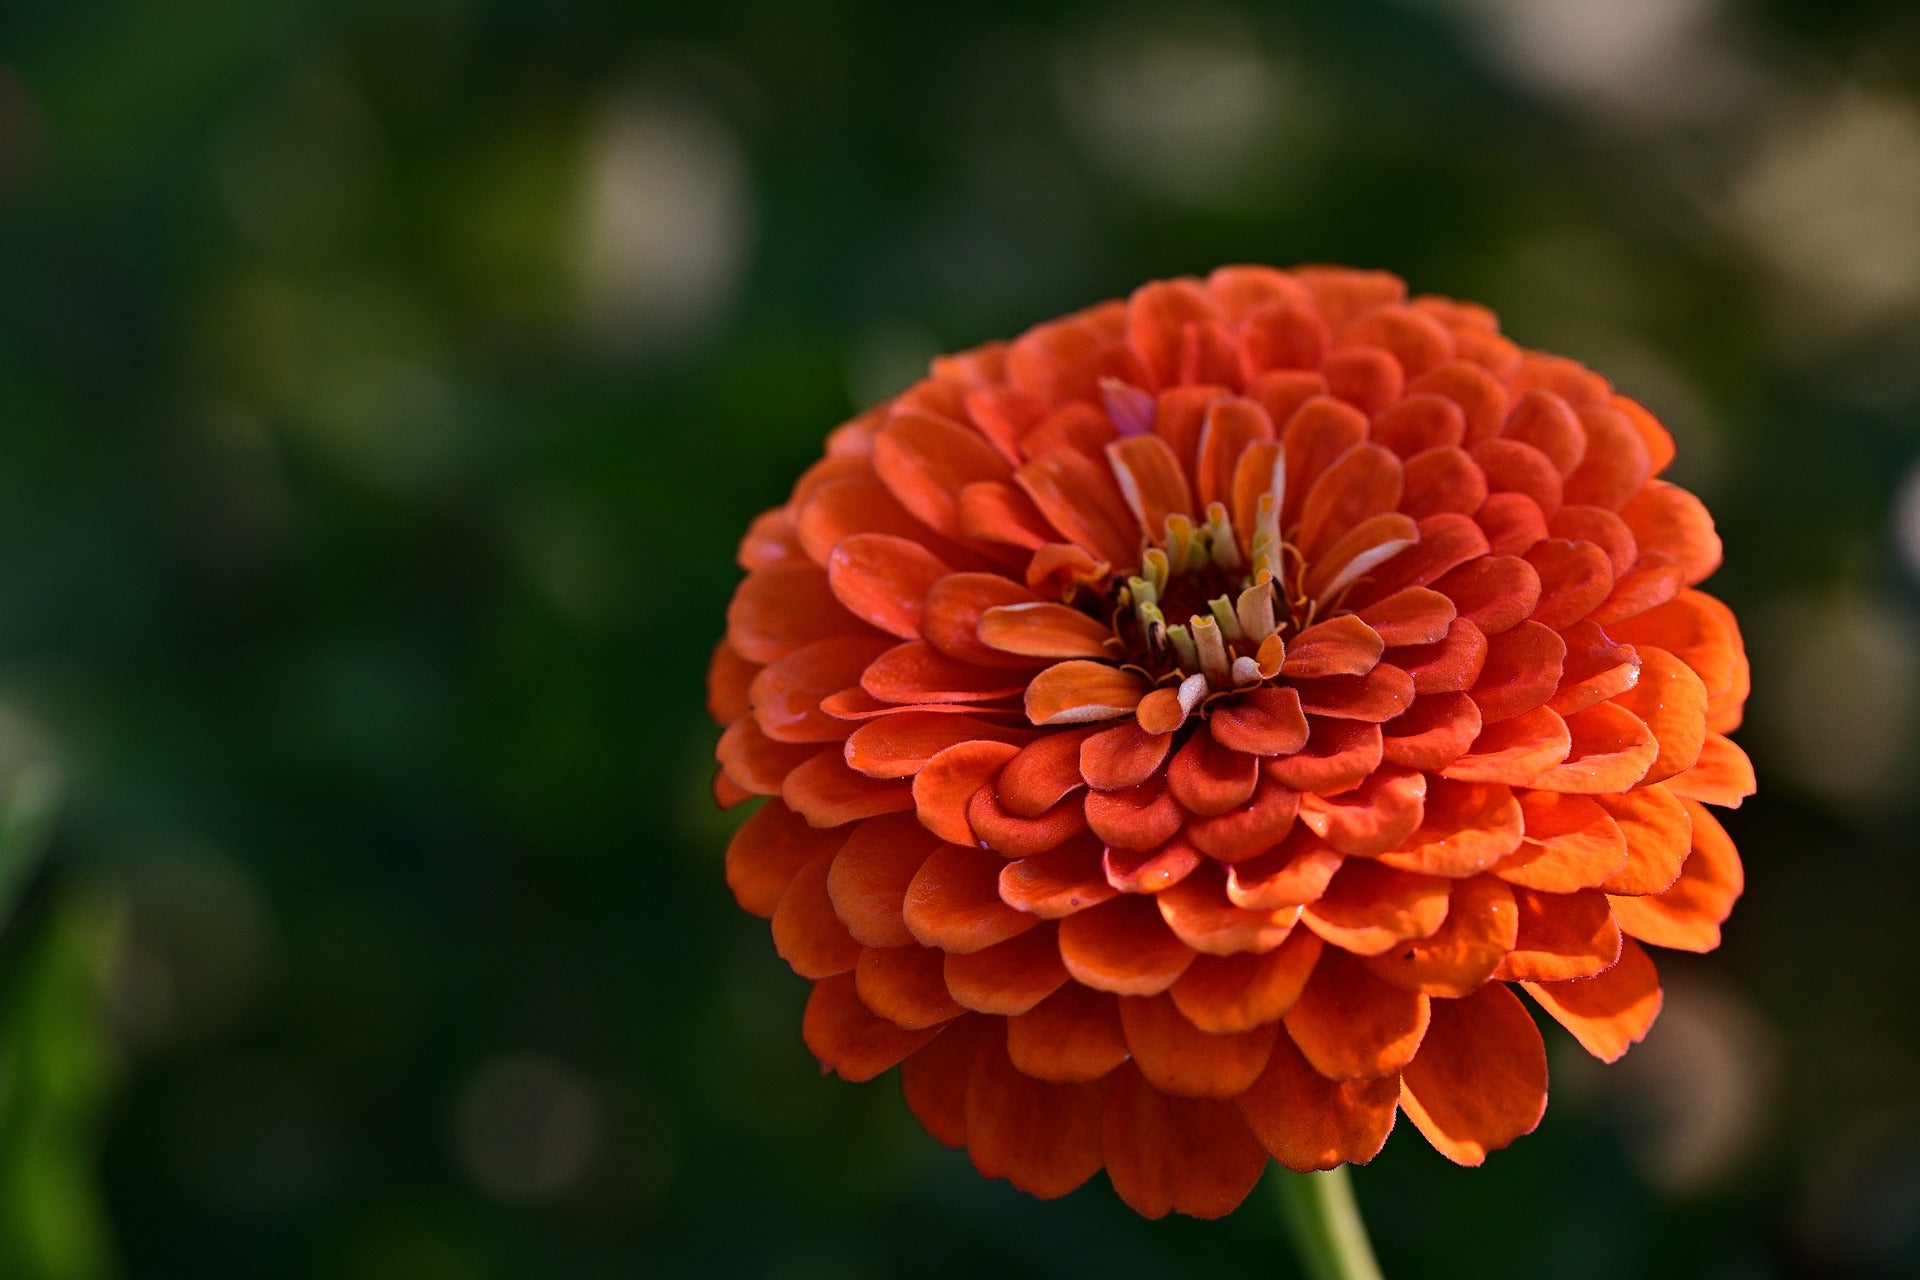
{"points": [[1185, 726]]}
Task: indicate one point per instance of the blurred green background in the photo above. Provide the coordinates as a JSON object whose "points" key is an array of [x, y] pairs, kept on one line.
{"points": [[383, 387]]}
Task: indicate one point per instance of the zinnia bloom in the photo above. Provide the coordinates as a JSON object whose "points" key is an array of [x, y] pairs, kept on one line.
{"points": [[1188, 728]]}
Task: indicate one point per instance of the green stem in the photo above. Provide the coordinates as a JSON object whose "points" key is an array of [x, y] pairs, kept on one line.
{"points": [[1326, 1226]]}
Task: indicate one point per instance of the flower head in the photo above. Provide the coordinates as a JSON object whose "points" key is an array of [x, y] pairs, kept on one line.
{"points": [[1187, 727]]}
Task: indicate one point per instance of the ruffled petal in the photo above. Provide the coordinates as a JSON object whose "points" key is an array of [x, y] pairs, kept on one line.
{"points": [[1350, 1024], [868, 878], [1123, 946], [1009, 977], [850, 1039], [1123, 756], [1339, 755], [1562, 936], [954, 902], [1235, 993], [1079, 691], [944, 789], [1266, 721], [1373, 817], [1482, 925], [1044, 1138], [1610, 1012], [1370, 908], [1071, 1037], [1688, 916], [1191, 1155], [1480, 1079], [1308, 1122], [1179, 1058]]}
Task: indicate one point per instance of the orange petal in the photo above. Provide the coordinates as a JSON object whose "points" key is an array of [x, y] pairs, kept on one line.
{"points": [[1723, 775], [954, 608], [1198, 911], [916, 673], [1513, 523], [1151, 481], [1513, 467], [1545, 421], [1227, 994], [1373, 817], [1572, 844], [1081, 500], [1574, 578], [1493, 592], [1695, 628], [1417, 615], [1611, 750], [1142, 817], [1370, 908], [1654, 579], [1251, 830], [1231, 425], [1562, 936], [1480, 1079], [1193, 1155], [1057, 882], [1123, 756], [1071, 1037], [1522, 671], [1044, 1138], [1434, 732], [1481, 397], [1296, 873], [1600, 526], [1443, 480], [1688, 916], [1609, 1012], [1309, 1122], [827, 793], [1668, 519], [1465, 828], [1381, 694], [787, 694], [869, 876], [1339, 755], [900, 745], [1319, 431], [1365, 481], [997, 511], [768, 851], [1419, 422], [780, 608], [925, 461], [1078, 692], [1342, 646], [1447, 540], [755, 763], [1595, 669], [905, 985], [1207, 778], [883, 579], [1151, 870], [1260, 722], [1366, 377], [849, 1038], [954, 902], [1515, 751], [1123, 946], [1361, 551], [1672, 702], [934, 1080], [1045, 772], [1013, 836], [1009, 977], [1450, 665], [729, 676], [1658, 833], [807, 932], [1481, 927], [943, 790], [1178, 1058], [1350, 1024], [1617, 461], [1045, 630], [1164, 319]]}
